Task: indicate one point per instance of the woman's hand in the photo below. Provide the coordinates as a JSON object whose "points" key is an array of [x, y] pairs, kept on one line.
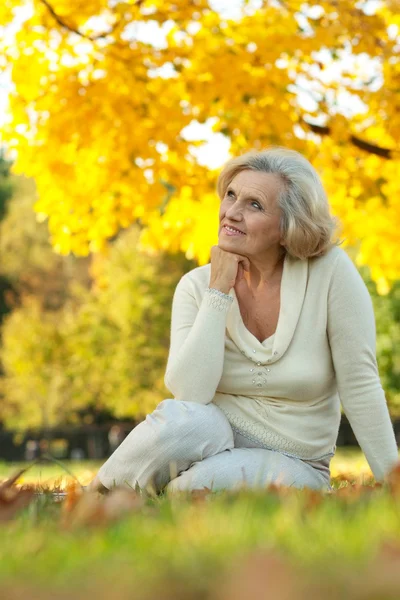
{"points": [[226, 269]]}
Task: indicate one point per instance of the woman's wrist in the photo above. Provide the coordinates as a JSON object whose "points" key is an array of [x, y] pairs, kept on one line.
{"points": [[220, 288]]}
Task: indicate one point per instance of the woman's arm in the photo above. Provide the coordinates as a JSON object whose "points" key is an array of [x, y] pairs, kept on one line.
{"points": [[196, 354], [351, 331]]}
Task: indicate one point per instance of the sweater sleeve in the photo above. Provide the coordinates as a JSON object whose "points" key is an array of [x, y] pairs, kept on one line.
{"points": [[196, 354], [352, 337]]}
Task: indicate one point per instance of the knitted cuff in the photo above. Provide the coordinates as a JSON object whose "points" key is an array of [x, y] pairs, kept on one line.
{"points": [[217, 299]]}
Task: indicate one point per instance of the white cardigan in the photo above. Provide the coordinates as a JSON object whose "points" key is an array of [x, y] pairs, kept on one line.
{"points": [[286, 391]]}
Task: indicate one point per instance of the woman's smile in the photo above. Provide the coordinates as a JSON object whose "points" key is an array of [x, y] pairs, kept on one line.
{"points": [[231, 231]]}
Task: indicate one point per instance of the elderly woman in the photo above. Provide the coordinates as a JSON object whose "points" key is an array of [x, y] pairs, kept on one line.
{"points": [[266, 341]]}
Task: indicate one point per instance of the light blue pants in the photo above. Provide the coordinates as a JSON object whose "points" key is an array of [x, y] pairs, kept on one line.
{"points": [[185, 446]]}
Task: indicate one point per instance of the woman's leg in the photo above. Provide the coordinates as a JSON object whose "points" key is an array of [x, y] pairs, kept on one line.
{"points": [[171, 438], [252, 467]]}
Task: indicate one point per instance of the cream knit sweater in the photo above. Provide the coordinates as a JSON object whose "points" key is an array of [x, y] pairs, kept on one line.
{"points": [[286, 391]]}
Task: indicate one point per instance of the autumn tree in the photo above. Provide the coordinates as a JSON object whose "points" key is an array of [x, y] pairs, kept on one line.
{"points": [[27, 259], [6, 192], [40, 282], [6, 184], [98, 113], [387, 315], [118, 340], [82, 332], [33, 385], [104, 348]]}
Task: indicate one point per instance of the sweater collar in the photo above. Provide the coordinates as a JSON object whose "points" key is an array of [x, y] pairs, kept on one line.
{"points": [[293, 290]]}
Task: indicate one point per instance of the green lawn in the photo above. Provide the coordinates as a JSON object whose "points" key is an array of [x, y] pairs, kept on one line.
{"points": [[49, 473], [346, 460], [285, 546]]}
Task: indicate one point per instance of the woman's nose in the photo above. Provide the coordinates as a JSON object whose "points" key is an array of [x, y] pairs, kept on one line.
{"points": [[234, 212]]}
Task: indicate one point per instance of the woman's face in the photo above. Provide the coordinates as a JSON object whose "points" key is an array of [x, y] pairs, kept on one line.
{"points": [[250, 204]]}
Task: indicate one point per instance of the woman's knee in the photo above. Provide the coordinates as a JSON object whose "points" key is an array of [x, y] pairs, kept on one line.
{"points": [[201, 425], [171, 438], [248, 467]]}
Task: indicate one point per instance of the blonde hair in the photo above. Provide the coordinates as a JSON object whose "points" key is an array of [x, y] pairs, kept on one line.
{"points": [[306, 223]]}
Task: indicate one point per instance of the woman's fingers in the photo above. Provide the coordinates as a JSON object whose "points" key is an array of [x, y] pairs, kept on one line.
{"points": [[240, 272], [246, 264]]}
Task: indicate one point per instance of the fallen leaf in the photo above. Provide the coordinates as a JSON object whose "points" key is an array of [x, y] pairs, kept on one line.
{"points": [[13, 498], [312, 499], [393, 480], [200, 496], [262, 574], [93, 509]]}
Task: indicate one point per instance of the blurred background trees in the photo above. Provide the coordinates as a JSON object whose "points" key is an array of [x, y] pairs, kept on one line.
{"points": [[6, 191], [82, 332]]}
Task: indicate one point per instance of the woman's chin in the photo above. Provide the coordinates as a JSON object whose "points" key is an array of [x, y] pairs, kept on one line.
{"points": [[223, 244], [227, 242]]}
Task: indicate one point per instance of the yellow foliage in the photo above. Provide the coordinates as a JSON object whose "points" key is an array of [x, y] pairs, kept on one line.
{"points": [[97, 114]]}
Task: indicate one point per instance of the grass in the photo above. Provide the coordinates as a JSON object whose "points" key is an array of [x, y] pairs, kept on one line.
{"points": [[346, 460], [205, 546], [50, 473]]}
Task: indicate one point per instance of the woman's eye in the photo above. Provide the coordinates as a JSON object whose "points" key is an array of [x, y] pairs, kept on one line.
{"points": [[231, 194]]}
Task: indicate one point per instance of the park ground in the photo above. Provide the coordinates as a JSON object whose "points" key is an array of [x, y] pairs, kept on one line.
{"points": [[279, 543]]}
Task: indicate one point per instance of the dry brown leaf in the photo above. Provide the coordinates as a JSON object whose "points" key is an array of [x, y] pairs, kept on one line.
{"points": [[393, 480], [11, 480], [380, 578], [312, 499], [121, 501], [93, 509], [389, 551], [200, 496], [88, 510], [13, 498], [260, 575], [11, 505], [279, 490], [74, 492], [352, 493], [266, 576]]}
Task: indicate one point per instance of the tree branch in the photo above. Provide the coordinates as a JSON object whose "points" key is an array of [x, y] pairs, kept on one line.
{"points": [[319, 129], [362, 144], [65, 25]]}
